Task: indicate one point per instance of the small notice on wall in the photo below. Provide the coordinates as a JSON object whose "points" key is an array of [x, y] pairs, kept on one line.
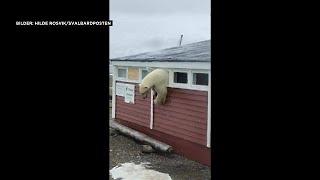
{"points": [[129, 93], [120, 89], [126, 91]]}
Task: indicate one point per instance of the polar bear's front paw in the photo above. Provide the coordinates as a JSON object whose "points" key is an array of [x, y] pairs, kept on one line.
{"points": [[145, 95], [155, 101]]}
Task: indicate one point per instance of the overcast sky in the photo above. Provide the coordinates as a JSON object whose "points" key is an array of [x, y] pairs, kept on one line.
{"points": [[148, 25]]}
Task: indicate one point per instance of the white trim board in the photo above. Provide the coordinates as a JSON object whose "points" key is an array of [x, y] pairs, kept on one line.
{"points": [[151, 109], [184, 65], [113, 115], [209, 114]]}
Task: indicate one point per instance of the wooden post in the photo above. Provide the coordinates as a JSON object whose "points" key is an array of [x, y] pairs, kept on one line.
{"points": [[141, 137], [151, 110]]}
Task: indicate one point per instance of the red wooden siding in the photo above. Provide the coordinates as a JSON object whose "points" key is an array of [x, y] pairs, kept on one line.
{"points": [[138, 113], [184, 115]]}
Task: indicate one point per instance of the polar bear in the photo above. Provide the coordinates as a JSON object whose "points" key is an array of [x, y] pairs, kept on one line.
{"points": [[157, 80]]}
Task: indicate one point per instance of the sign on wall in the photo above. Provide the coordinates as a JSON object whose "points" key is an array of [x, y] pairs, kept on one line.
{"points": [[120, 89], [126, 91], [129, 93]]}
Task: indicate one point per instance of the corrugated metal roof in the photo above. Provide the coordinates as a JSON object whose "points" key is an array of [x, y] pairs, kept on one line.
{"points": [[194, 52]]}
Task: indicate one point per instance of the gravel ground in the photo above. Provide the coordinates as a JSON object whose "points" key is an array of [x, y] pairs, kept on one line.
{"points": [[125, 149]]}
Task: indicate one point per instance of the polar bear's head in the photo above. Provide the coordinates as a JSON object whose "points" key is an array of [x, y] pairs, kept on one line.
{"points": [[144, 90]]}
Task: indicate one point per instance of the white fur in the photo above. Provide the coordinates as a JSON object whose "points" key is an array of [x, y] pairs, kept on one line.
{"points": [[157, 80]]}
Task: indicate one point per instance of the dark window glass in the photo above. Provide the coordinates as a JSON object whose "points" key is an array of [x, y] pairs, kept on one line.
{"points": [[200, 79], [180, 77], [144, 72], [122, 73]]}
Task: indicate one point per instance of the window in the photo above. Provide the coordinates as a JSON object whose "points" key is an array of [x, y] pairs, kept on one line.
{"points": [[180, 77], [144, 72], [200, 79], [195, 79], [122, 73]]}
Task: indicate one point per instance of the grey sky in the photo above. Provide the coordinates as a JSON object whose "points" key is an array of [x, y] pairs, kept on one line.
{"points": [[148, 25]]}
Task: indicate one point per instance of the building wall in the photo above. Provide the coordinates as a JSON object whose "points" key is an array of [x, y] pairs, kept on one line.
{"points": [[138, 113], [184, 115]]}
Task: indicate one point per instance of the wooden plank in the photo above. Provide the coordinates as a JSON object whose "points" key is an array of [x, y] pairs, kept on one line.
{"points": [[141, 137], [197, 117], [151, 109], [174, 117], [183, 135], [134, 111], [182, 122], [143, 117], [187, 107], [132, 120], [178, 128], [137, 103], [187, 91], [191, 97], [138, 109], [187, 102], [183, 127], [181, 107]]}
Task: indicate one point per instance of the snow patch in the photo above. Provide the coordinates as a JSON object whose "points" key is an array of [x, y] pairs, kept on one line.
{"points": [[131, 171]]}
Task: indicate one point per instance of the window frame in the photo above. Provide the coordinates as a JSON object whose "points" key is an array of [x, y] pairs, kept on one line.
{"points": [[140, 71], [197, 85], [126, 79], [188, 85], [185, 72], [189, 72], [171, 78], [122, 78]]}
